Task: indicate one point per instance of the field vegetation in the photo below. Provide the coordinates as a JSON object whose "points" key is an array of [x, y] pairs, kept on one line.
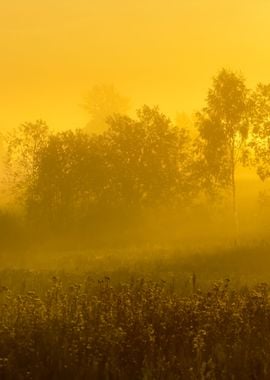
{"points": [[165, 315]]}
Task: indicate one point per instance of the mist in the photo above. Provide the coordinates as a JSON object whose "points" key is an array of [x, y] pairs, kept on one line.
{"points": [[139, 179], [134, 190]]}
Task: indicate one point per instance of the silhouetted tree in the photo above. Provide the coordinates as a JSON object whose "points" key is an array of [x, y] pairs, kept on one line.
{"points": [[150, 159], [223, 126], [101, 102], [70, 179], [107, 181], [261, 130], [23, 147]]}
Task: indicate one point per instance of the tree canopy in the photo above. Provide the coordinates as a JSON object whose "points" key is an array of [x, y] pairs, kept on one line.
{"points": [[107, 181]]}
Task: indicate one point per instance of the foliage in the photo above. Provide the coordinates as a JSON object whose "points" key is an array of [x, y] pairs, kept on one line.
{"points": [[83, 182], [223, 125], [152, 158], [138, 170], [23, 147], [134, 330], [261, 130]]}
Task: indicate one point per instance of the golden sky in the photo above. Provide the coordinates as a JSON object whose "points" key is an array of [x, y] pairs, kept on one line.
{"points": [[154, 51]]}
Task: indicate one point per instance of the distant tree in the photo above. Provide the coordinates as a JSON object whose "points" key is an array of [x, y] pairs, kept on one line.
{"points": [[223, 128], [2, 148], [105, 182], [70, 179], [150, 158], [183, 120], [101, 102], [23, 147], [261, 130]]}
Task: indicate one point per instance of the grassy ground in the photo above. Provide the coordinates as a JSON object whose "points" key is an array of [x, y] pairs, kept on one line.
{"points": [[123, 315]]}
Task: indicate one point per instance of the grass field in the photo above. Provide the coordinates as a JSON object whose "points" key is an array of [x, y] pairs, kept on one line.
{"points": [[119, 315]]}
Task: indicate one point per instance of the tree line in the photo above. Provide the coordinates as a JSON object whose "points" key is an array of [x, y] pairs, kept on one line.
{"points": [[100, 184]]}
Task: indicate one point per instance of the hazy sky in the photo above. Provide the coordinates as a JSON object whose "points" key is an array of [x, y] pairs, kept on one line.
{"points": [[154, 51]]}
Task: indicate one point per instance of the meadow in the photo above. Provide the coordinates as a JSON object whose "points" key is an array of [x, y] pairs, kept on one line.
{"points": [[161, 314], [135, 190]]}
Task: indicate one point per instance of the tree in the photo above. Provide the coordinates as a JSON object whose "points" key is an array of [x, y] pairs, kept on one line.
{"points": [[150, 159], [101, 102], [106, 184], [2, 186], [261, 130], [23, 147], [261, 143], [70, 180], [223, 127]]}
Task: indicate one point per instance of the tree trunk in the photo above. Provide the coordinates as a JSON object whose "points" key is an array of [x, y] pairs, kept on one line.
{"points": [[234, 203]]}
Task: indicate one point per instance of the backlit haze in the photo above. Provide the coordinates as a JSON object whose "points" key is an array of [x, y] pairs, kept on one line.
{"points": [[153, 51]]}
